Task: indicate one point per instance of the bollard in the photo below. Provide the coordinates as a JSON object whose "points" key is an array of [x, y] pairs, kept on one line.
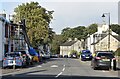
{"points": [[14, 64], [113, 64], [110, 64]]}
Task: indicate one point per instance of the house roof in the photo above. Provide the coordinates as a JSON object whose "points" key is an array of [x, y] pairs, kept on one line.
{"points": [[68, 43], [102, 37], [3, 19], [117, 37]]}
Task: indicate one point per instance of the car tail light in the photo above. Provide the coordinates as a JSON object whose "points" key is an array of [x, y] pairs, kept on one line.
{"points": [[98, 58], [19, 63], [114, 58], [14, 58], [4, 59], [24, 54], [19, 58]]}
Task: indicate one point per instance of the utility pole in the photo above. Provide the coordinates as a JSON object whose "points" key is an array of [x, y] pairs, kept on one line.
{"points": [[9, 37], [108, 29]]}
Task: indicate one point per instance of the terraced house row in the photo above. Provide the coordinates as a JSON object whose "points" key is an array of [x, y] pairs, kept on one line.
{"points": [[11, 38]]}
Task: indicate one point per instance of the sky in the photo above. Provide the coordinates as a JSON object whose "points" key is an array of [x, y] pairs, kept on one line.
{"points": [[71, 13]]}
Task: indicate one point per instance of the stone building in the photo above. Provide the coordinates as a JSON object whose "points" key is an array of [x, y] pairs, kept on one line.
{"points": [[70, 45]]}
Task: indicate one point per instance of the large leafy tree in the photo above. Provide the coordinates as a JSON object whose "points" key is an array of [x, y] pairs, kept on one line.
{"points": [[115, 28], [37, 22], [92, 28], [79, 32], [58, 39]]}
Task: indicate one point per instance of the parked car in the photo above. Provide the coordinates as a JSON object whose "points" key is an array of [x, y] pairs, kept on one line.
{"points": [[73, 55], [61, 56], [103, 60], [65, 56], [27, 58], [54, 56], [45, 55], [12, 59], [86, 55]]}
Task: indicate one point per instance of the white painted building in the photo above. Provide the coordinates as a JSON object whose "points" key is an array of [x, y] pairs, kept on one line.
{"points": [[97, 36], [68, 46], [2, 37]]}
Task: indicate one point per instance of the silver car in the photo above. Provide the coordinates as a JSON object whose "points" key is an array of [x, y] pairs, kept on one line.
{"points": [[12, 59]]}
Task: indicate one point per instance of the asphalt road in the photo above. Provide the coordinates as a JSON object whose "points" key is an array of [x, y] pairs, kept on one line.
{"points": [[62, 68]]}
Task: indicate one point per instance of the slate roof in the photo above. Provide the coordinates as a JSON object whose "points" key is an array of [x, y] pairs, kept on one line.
{"points": [[68, 43], [117, 37], [103, 36]]}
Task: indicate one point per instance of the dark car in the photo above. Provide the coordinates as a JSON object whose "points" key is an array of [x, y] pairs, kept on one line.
{"points": [[86, 55], [26, 57], [54, 56], [104, 60], [61, 56], [73, 55], [65, 56]]}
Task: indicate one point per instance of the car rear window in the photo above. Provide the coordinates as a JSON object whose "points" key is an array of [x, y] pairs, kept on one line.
{"points": [[109, 55], [85, 52], [13, 55]]}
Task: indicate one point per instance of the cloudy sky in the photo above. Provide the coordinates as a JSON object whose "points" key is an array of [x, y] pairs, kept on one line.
{"points": [[71, 13]]}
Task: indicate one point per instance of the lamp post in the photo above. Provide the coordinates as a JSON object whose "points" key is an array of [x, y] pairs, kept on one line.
{"points": [[108, 28]]}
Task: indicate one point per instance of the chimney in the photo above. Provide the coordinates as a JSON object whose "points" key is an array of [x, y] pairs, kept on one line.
{"points": [[3, 14], [69, 39], [75, 39]]}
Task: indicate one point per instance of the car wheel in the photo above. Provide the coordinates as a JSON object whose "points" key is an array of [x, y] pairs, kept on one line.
{"points": [[109, 68], [3, 67], [82, 59], [91, 65], [27, 63], [114, 68], [94, 68], [23, 65]]}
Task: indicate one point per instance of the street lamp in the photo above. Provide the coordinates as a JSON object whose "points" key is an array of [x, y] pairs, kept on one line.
{"points": [[108, 28]]}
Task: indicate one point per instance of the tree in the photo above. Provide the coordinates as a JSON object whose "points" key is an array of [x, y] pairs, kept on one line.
{"points": [[37, 21], [92, 28], [115, 28], [55, 45], [79, 32]]}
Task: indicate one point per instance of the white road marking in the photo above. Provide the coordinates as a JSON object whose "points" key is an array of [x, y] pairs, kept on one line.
{"points": [[105, 71], [58, 74], [39, 66], [17, 69], [63, 69], [54, 66]]}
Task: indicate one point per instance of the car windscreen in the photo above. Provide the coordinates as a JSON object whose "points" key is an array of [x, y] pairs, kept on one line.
{"points": [[87, 52], [108, 55], [22, 52]]}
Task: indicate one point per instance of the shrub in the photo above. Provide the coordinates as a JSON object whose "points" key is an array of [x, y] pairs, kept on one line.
{"points": [[73, 52]]}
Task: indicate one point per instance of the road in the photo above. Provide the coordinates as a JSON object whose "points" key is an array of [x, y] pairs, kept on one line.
{"points": [[62, 68]]}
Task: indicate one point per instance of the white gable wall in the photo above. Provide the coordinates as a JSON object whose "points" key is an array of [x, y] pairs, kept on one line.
{"points": [[103, 44], [65, 50]]}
